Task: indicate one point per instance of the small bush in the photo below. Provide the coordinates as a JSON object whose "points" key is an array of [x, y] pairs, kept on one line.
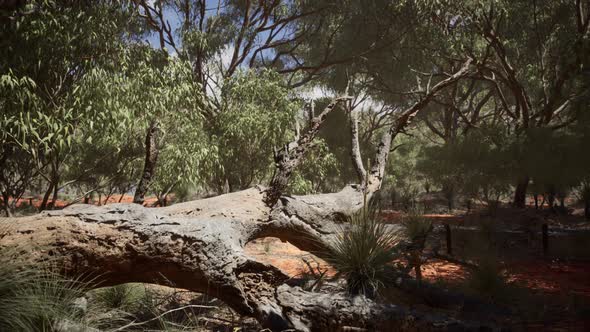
{"points": [[416, 230], [127, 304], [363, 252], [122, 297], [416, 227], [32, 298]]}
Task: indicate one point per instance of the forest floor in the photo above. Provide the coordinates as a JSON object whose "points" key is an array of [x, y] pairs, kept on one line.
{"points": [[557, 293], [544, 292]]}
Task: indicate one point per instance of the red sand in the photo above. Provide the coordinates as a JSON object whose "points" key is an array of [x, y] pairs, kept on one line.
{"points": [[539, 275], [553, 277], [149, 201]]}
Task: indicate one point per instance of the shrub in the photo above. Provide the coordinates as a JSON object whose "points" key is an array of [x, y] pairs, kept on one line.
{"points": [[363, 252], [122, 297], [33, 298], [416, 227], [130, 305], [416, 230]]}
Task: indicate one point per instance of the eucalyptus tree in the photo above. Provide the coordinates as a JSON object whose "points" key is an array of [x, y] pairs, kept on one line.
{"points": [[254, 34], [225, 39], [408, 54], [532, 53], [142, 91], [257, 114], [53, 44], [16, 166]]}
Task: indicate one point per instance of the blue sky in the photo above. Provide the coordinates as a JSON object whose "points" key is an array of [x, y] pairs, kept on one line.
{"points": [[174, 21]]}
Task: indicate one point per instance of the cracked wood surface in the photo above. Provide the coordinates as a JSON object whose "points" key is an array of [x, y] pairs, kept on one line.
{"points": [[199, 246]]}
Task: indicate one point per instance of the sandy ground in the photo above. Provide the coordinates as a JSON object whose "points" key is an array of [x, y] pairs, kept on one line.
{"points": [[559, 283]]}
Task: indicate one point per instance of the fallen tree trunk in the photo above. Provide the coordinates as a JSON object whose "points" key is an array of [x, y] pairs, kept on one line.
{"points": [[199, 246]]}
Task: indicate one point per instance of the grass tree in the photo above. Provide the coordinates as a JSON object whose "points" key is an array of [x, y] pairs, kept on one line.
{"points": [[363, 252]]}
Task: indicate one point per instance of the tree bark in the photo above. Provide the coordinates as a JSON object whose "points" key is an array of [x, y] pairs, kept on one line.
{"points": [[199, 246], [43, 205], [151, 160], [520, 192], [288, 158], [355, 152], [6, 204]]}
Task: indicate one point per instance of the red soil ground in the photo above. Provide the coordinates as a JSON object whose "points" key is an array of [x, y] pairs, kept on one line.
{"points": [[59, 204], [538, 275], [556, 280]]}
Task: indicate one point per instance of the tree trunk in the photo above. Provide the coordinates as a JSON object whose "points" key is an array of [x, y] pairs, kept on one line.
{"points": [[43, 205], [151, 160], [6, 204], [55, 192], [199, 246], [520, 192], [288, 158], [449, 193], [355, 152]]}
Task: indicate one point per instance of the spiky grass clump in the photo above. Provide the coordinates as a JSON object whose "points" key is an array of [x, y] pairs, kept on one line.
{"points": [[416, 227], [363, 252], [32, 298], [123, 297], [416, 230], [141, 307]]}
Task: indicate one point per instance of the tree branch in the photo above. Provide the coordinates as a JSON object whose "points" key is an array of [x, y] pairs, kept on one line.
{"points": [[288, 158]]}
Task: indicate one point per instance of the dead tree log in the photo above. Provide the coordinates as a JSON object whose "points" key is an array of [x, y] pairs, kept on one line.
{"points": [[199, 246]]}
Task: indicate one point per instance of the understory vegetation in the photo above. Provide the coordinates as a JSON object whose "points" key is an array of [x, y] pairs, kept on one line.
{"points": [[363, 253], [36, 298], [464, 124], [79, 113]]}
